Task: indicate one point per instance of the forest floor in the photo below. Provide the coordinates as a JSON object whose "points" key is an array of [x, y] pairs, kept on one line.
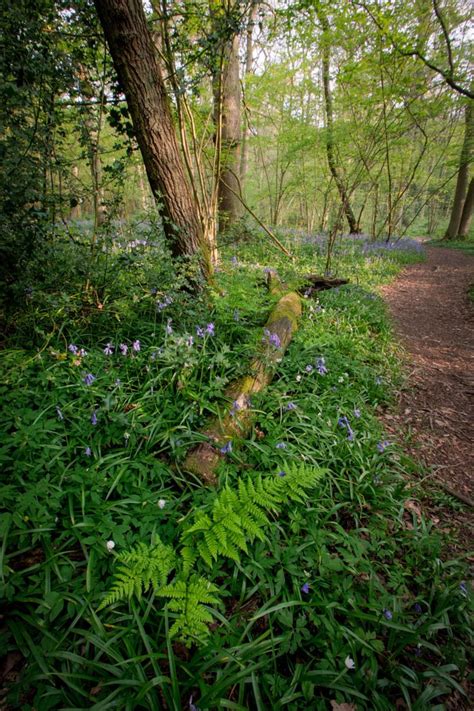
{"points": [[434, 318]]}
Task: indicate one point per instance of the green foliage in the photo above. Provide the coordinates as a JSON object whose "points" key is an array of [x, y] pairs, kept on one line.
{"points": [[188, 600], [237, 514], [140, 569]]}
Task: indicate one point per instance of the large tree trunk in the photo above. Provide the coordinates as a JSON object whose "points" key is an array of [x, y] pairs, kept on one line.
{"points": [[467, 210], [227, 118], [326, 59], [133, 53], [463, 176]]}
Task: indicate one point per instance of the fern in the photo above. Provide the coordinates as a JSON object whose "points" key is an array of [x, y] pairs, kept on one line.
{"points": [[188, 599], [141, 568], [238, 515]]}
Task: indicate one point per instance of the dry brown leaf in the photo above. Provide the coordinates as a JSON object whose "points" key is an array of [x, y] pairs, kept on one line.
{"points": [[342, 707]]}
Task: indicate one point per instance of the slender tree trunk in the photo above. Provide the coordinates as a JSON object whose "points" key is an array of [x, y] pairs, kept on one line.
{"points": [[133, 53], [467, 210], [463, 176], [227, 99], [326, 60], [248, 71]]}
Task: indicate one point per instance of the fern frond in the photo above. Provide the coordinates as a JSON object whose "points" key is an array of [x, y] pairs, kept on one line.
{"points": [[139, 569], [187, 598]]}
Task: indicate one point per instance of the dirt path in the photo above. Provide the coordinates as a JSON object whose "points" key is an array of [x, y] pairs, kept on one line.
{"points": [[435, 321]]}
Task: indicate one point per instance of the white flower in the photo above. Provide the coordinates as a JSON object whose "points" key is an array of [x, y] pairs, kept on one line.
{"points": [[110, 545], [340, 379], [298, 378], [161, 503], [350, 663]]}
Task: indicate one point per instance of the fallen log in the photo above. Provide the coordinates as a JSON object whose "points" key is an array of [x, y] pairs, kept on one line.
{"points": [[313, 282], [236, 422]]}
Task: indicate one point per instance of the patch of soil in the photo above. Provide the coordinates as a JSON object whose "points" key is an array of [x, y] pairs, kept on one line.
{"points": [[434, 318]]}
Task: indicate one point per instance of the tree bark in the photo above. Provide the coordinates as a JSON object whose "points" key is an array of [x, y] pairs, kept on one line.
{"points": [[133, 53], [326, 60], [248, 71], [463, 176], [467, 210], [227, 100]]}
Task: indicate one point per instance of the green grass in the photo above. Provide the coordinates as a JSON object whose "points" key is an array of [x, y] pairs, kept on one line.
{"points": [[466, 246], [378, 589]]}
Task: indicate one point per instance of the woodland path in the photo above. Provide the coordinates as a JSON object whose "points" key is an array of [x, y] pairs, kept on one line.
{"points": [[434, 319]]}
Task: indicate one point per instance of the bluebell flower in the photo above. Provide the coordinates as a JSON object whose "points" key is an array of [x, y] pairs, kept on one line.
{"points": [[189, 341], [94, 418], [236, 315], [59, 413], [282, 473], [275, 340], [210, 329], [123, 349], [153, 290], [136, 346], [199, 332], [387, 614], [417, 608], [82, 353], [234, 260], [227, 448], [321, 366], [309, 368], [88, 452], [72, 348], [463, 588], [109, 349], [291, 406], [118, 382], [168, 328], [378, 380], [235, 407], [89, 379], [305, 588], [357, 412], [280, 445], [381, 446]]}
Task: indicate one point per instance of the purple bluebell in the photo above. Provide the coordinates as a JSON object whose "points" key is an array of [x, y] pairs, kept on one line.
{"points": [[291, 406], [199, 332], [136, 346], [381, 446], [227, 448], [309, 368], [282, 473], [305, 588], [118, 382], [463, 588], [59, 413], [153, 290], [321, 366], [234, 260], [88, 452], [89, 379], [94, 418], [417, 608], [387, 614], [168, 328], [357, 412], [275, 340], [73, 349], [189, 341], [280, 445], [235, 407], [83, 353], [123, 349], [210, 329], [109, 349]]}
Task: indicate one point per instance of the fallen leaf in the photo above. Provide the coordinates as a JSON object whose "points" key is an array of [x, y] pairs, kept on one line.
{"points": [[342, 707]]}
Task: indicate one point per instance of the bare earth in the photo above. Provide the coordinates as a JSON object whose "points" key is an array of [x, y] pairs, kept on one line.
{"points": [[435, 321]]}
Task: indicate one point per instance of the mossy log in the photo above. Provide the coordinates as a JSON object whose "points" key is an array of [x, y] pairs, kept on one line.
{"points": [[236, 422]]}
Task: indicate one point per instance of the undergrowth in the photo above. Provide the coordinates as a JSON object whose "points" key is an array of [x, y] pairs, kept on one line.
{"points": [[302, 579]]}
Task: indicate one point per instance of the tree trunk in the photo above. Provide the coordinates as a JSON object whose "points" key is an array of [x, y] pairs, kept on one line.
{"points": [[133, 53], [326, 59], [466, 216], [463, 177], [248, 71], [227, 117]]}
